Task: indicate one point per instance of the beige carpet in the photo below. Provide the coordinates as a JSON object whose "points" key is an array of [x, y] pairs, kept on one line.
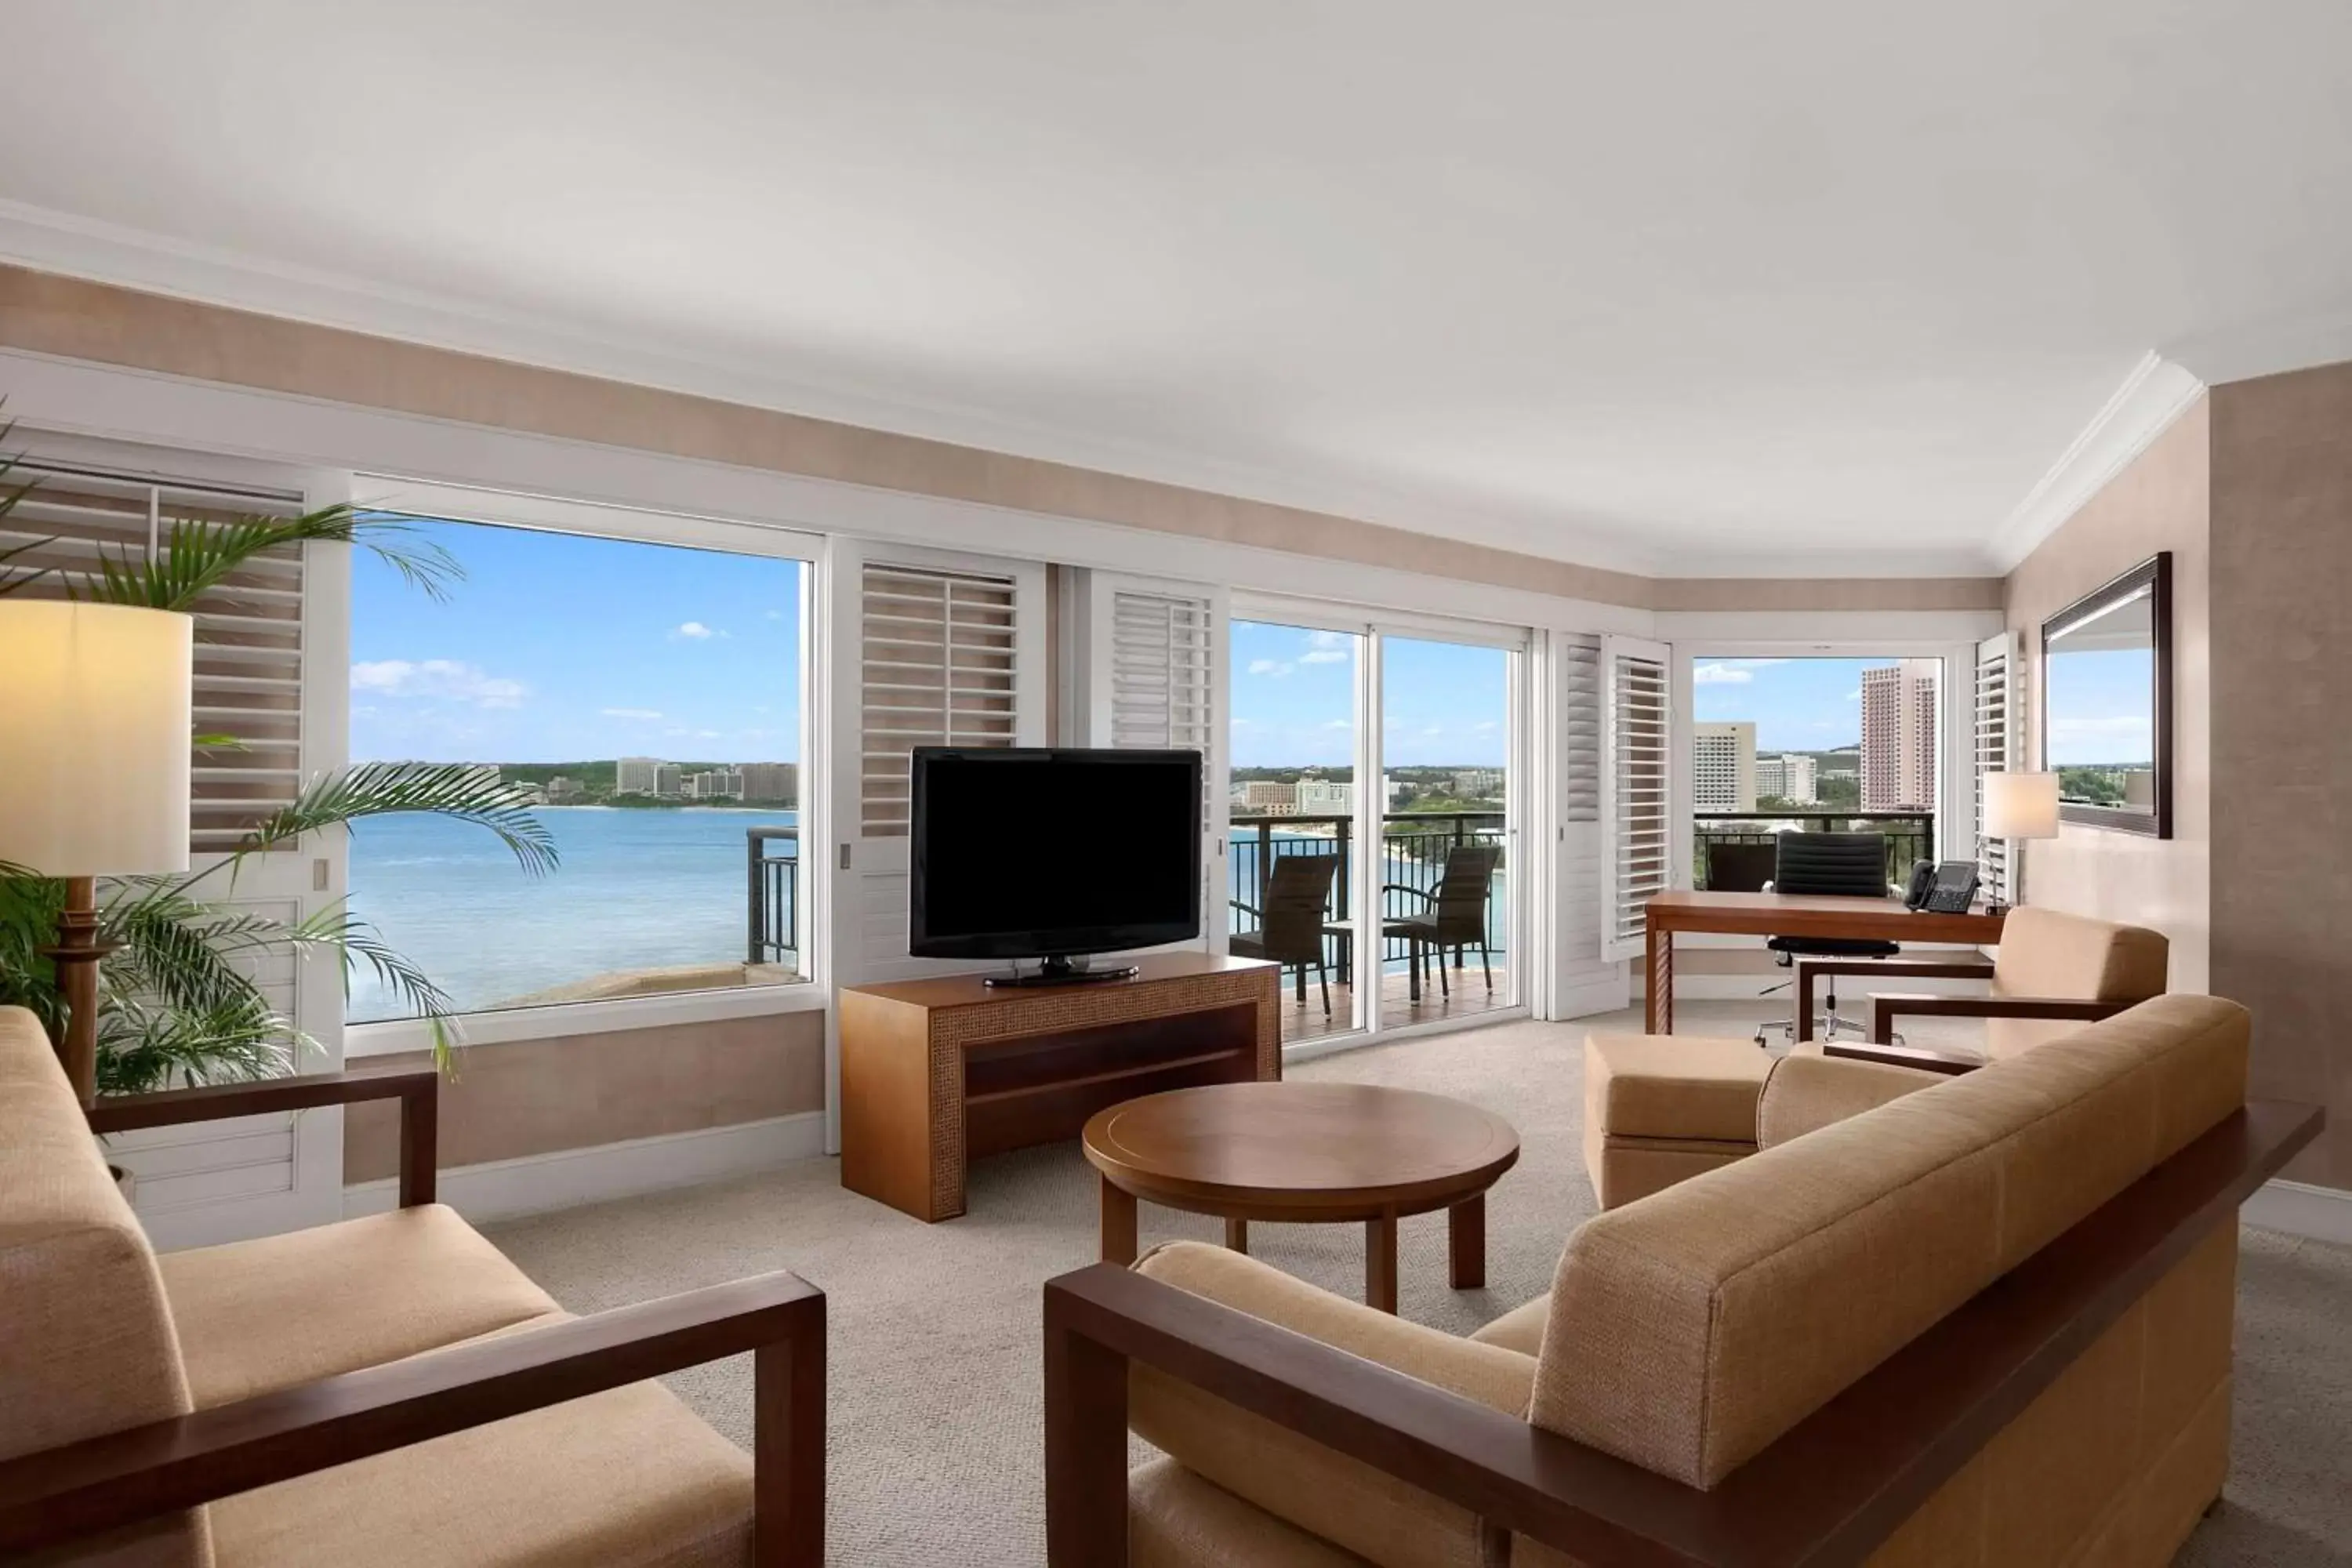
{"points": [[934, 1385]]}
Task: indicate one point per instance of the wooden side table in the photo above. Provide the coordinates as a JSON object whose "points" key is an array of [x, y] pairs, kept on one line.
{"points": [[1305, 1153]]}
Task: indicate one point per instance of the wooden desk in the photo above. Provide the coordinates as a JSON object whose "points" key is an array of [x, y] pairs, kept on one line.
{"points": [[1789, 914], [938, 1072]]}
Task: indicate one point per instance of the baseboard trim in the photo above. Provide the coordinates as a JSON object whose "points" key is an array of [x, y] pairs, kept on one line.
{"points": [[2299, 1208], [565, 1178]]}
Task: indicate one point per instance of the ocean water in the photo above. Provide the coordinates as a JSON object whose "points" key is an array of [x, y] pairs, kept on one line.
{"points": [[637, 889]]}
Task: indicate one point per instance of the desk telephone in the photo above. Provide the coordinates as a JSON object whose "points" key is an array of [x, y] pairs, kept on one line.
{"points": [[1942, 889]]}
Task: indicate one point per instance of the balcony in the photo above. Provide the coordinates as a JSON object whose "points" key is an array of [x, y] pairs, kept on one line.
{"points": [[1910, 836], [772, 863], [1411, 860]]}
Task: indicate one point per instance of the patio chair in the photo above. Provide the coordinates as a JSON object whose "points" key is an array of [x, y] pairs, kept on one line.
{"points": [[1290, 927], [1452, 914]]}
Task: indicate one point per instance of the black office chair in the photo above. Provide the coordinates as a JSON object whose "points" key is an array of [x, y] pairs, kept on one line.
{"points": [[1735, 867], [1850, 865]]}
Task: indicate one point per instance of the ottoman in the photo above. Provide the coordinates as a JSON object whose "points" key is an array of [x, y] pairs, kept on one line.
{"points": [[1660, 1108]]}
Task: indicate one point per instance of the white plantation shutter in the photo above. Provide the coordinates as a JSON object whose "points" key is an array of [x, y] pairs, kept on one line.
{"points": [[248, 634], [1580, 831], [1160, 677], [937, 669], [1999, 735], [1637, 859]]}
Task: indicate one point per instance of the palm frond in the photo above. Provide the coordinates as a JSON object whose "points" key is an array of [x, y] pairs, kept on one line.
{"points": [[459, 790], [144, 1046], [200, 554], [358, 944], [12, 495], [181, 952]]}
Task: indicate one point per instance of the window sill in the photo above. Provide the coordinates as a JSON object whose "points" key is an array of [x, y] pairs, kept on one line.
{"points": [[513, 1026]]}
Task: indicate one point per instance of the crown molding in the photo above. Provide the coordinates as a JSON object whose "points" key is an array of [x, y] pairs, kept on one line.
{"points": [[2156, 393], [52, 241]]}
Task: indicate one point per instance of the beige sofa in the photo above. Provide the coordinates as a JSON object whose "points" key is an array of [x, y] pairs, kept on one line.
{"points": [[1661, 1107], [224, 1367], [1686, 1336]]}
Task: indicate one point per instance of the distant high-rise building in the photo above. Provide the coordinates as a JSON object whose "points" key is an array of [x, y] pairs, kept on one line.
{"points": [[637, 775], [713, 784], [1478, 784], [1787, 777], [771, 781], [1270, 797], [1898, 735], [669, 780], [562, 788], [1323, 797], [1723, 766]]}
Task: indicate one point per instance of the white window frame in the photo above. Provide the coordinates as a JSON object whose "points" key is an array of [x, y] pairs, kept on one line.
{"points": [[1527, 820], [547, 514]]}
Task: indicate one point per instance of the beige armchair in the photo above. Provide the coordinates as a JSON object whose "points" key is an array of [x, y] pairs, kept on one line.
{"points": [[388, 1390], [1986, 1321], [2053, 974]]}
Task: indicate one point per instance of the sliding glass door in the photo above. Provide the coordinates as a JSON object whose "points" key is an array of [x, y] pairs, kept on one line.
{"points": [[1372, 817]]}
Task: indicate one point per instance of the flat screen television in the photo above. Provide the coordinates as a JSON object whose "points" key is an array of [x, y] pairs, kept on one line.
{"points": [[1052, 854]]}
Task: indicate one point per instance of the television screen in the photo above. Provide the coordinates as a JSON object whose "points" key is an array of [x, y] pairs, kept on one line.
{"points": [[1033, 853]]}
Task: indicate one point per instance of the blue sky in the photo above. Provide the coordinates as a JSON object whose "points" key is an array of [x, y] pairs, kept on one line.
{"points": [[2101, 706], [1796, 704], [560, 648], [1294, 699]]}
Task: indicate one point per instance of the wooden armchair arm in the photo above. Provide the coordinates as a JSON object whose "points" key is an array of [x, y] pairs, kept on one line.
{"points": [[1811, 969], [1827, 1492], [141, 1472], [418, 1089], [1886, 1008]]}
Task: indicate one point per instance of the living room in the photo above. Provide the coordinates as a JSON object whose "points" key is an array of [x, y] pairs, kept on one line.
{"points": [[643, 699]]}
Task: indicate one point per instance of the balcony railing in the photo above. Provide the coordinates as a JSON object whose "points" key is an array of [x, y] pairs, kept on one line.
{"points": [[773, 866], [1910, 835], [1413, 846]]}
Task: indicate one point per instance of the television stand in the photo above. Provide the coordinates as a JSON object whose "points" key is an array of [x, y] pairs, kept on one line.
{"points": [[938, 1072], [1062, 970]]}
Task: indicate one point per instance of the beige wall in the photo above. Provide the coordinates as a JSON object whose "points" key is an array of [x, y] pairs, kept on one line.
{"points": [[2283, 738], [573, 1092], [73, 319], [2161, 501]]}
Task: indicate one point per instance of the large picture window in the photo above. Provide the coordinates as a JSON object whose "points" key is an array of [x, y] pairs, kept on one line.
{"points": [[649, 698]]}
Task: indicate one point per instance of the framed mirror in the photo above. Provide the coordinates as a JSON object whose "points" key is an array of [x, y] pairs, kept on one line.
{"points": [[2106, 702]]}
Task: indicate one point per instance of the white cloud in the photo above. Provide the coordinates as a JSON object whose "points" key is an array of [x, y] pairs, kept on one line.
{"points": [[437, 679], [1324, 656], [1273, 666], [643, 714], [1435, 730], [1484, 724], [706, 734], [695, 631], [1854, 696], [1340, 724], [775, 614], [1720, 674]]}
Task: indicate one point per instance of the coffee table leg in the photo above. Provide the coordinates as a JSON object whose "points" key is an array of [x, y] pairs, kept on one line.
{"points": [[1118, 1225], [1238, 1235], [1466, 1241], [1381, 1263]]}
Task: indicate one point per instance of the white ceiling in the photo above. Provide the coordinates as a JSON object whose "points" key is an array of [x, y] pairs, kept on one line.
{"points": [[1687, 287]]}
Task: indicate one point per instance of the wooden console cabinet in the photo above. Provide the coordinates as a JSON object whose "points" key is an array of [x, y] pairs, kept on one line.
{"points": [[936, 1072]]}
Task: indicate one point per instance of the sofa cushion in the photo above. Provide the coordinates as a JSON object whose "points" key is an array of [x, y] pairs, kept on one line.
{"points": [[1520, 1329], [1674, 1085], [1691, 1329], [1805, 1093], [86, 1343], [1382, 1519], [629, 1478], [254, 1316]]}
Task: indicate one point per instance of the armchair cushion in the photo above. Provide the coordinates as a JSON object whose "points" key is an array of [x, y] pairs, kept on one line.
{"points": [[2046, 953], [1355, 1508], [1805, 1093], [1176, 1519], [1674, 1085], [256, 1316], [1520, 1329], [630, 1479]]}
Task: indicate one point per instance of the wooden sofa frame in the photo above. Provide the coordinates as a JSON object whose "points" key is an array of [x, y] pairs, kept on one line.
{"points": [[1823, 1495], [58, 1495]]}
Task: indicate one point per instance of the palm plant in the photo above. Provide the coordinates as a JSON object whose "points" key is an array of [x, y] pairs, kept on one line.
{"points": [[176, 1000]]}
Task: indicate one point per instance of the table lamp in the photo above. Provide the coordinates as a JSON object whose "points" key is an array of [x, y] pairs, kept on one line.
{"points": [[2021, 805], [95, 725]]}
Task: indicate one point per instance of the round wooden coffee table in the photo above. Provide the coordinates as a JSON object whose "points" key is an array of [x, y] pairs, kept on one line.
{"points": [[1304, 1152]]}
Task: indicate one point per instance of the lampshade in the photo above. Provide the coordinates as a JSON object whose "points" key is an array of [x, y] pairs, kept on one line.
{"points": [[95, 738], [2021, 805]]}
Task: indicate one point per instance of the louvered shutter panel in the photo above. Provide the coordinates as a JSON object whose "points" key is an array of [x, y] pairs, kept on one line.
{"points": [[1160, 690], [1637, 860], [1999, 735], [1580, 871], [936, 668], [248, 633]]}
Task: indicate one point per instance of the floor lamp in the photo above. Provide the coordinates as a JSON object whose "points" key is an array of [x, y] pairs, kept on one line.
{"points": [[95, 729]]}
